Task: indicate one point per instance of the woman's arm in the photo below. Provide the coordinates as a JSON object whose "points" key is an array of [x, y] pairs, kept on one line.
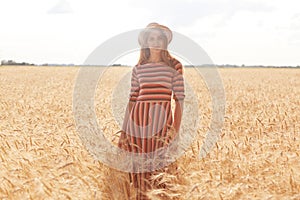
{"points": [[178, 93], [134, 92], [127, 114], [178, 114]]}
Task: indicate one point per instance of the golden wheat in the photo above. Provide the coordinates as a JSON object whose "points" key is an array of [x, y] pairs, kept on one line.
{"points": [[257, 157]]}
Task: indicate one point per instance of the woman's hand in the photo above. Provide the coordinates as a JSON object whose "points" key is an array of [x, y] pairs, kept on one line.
{"points": [[176, 127]]}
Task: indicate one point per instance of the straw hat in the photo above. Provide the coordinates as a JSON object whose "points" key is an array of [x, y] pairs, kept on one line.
{"points": [[154, 25]]}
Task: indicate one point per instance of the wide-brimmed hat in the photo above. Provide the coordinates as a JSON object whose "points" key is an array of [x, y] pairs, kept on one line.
{"points": [[167, 32]]}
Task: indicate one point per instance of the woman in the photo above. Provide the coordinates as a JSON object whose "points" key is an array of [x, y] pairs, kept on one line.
{"points": [[148, 118]]}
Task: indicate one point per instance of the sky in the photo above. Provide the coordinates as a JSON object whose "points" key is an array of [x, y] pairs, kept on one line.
{"points": [[249, 32]]}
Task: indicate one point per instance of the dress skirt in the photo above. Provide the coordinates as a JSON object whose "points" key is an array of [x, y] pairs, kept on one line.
{"points": [[146, 131]]}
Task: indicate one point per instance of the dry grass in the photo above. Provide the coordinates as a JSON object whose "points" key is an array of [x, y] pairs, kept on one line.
{"points": [[42, 157]]}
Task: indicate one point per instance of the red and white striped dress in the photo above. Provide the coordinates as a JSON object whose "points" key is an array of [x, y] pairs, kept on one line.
{"points": [[144, 131]]}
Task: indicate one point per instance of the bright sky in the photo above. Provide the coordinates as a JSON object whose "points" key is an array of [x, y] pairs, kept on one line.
{"points": [[250, 32]]}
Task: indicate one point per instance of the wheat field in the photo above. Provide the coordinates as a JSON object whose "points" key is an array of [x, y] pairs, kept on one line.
{"points": [[256, 157]]}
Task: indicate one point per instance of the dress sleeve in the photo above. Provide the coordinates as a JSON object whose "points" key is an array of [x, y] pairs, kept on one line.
{"points": [[178, 82], [134, 91]]}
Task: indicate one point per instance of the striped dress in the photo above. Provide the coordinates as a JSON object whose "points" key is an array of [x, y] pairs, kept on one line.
{"points": [[153, 85]]}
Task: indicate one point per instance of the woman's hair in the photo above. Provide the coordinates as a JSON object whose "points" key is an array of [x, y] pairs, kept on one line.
{"points": [[145, 51]]}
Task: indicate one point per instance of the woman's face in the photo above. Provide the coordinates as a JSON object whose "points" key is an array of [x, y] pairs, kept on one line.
{"points": [[155, 40]]}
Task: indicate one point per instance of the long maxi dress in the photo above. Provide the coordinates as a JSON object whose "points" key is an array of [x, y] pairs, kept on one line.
{"points": [[145, 129]]}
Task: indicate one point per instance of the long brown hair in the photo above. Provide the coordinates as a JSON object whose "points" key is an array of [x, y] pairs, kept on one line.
{"points": [[145, 51]]}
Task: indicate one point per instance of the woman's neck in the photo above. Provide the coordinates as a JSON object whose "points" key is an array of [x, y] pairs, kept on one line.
{"points": [[155, 57]]}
